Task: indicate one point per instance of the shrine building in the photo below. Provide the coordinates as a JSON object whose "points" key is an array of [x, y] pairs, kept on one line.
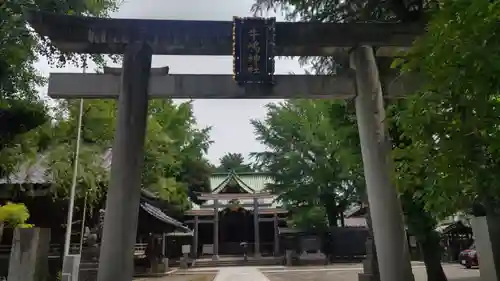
{"points": [[238, 209]]}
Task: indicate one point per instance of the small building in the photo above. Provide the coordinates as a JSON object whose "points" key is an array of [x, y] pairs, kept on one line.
{"points": [[32, 185], [456, 235], [238, 209], [355, 216]]}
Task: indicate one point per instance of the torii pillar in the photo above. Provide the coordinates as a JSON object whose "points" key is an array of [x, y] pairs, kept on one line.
{"points": [[385, 208], [123, 198]]}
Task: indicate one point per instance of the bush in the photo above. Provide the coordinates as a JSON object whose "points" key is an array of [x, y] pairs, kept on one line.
{"points": [[14, 215]]}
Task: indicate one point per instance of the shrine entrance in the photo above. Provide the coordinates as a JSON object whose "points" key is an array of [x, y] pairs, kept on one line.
{"points": [[236, 226]]}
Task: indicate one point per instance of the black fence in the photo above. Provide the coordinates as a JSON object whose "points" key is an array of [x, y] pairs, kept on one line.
{"points": [[346, 243], [340, 243]]}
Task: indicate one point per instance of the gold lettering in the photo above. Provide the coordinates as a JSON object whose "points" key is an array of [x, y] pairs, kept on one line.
{"points": [[253, 50], [253, 34], [254, 46], [254, 58]]}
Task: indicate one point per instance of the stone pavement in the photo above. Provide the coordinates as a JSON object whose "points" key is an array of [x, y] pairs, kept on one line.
{"points": [[350, 273], [337, 272], [244, 273], [346, 272]]}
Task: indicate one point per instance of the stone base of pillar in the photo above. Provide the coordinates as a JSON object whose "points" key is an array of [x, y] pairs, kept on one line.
{"points": [[289, 257], [370, 266], [366, 277], [215, 257], [367, 266], [71, 266]]}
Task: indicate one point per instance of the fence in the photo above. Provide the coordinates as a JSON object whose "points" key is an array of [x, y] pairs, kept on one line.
{"points": [[347, 242]]}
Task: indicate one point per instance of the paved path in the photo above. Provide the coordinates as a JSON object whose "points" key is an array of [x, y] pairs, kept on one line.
{"points": [[246, 273], [350, 273]]}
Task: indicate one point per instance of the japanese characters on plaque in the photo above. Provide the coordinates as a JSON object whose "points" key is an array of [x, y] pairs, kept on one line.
{"points": [[253, 50]]}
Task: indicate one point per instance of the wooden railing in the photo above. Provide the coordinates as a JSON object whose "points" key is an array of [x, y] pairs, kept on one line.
{"points": [[235, 248]]}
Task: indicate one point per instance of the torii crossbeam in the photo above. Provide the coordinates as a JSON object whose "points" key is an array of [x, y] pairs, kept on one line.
{"points": [[210, 86]]}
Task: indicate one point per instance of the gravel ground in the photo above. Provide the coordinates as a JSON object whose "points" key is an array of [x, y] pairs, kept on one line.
{"points": [[454, 273]]}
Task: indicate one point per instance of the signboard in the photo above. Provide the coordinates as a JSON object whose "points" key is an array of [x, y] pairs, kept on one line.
{"points": [[253, 50], [186, 249]]}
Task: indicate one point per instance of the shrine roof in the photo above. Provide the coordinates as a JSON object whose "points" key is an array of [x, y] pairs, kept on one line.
{"points": [[356, 210], [250, 182]]}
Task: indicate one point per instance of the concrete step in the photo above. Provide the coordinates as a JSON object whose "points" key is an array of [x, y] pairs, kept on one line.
{"points": [[238, 262], [89, 265], [366, 277]]}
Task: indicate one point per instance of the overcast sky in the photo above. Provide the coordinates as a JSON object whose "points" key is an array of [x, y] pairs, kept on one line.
{"points": [[229, 119]]}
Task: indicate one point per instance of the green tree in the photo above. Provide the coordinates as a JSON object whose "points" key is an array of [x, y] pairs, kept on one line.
{"points": [[233, 162], [329, 128], [301, 157], [456, 129], [309, 218], [174, 164], [20, 107], [420, 222], [17, 117]]}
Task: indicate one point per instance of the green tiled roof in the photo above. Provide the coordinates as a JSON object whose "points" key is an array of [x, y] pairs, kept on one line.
{"points": [[256, 181]]}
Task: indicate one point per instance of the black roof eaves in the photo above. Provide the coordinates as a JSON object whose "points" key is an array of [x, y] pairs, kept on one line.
{"points": [[161, 216]]}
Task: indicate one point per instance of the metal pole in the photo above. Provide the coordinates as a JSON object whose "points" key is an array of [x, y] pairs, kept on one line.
{"points": [[256, 231], [71, 205], [216, 230], [385, 208], [83, 222], [124, 192]]}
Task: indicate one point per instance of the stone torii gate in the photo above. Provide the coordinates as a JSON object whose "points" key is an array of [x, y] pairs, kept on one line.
{"points": [[138, 40]]}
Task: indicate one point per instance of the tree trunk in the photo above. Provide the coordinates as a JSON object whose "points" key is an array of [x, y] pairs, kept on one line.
{"points": [[331, 209], [431, 251], [422, 225], [332, 218]]}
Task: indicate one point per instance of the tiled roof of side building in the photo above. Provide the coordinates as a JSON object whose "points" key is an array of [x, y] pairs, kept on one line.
{"points": [[36, 171]]}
